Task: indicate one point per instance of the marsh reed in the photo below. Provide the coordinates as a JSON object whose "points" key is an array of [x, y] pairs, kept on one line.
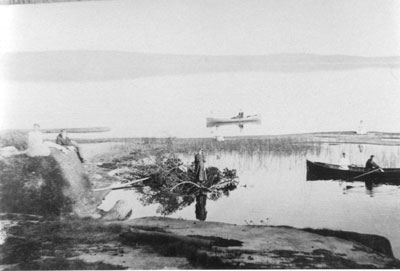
{"points": [[280, 145]]}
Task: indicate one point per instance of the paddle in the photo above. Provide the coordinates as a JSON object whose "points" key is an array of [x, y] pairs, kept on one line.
{"points": [[369, 172]]}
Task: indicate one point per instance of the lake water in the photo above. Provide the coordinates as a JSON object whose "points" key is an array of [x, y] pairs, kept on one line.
{"points": [[273, 190]]}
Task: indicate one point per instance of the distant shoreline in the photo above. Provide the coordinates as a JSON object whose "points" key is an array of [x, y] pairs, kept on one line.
{"points": [[343, 137], [63, 65]]}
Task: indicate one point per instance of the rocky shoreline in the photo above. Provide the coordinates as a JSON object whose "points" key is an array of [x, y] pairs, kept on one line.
{"points": [[158, 243], [85, 238], [243, 246]]}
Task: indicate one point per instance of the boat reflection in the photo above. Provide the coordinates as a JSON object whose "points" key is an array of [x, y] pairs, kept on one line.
{"points": [[368, 185]]}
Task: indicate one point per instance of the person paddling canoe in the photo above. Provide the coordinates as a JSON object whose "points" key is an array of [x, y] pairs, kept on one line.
{"points": [[371, 165]]}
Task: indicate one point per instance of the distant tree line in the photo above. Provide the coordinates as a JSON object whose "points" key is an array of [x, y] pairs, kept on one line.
{"points": [[21, 2]]}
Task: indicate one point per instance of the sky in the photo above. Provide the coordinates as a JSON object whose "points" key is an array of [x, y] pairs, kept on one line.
{"points": [[354, 27], [178, 104]]}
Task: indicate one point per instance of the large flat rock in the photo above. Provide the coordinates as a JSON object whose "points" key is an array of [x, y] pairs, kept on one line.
{"points": [[275, 247]]}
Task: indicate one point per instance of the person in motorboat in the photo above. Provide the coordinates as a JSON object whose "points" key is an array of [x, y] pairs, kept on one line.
{"points": [[371, 165], [344, 162], [240, 115], [64, 140]]}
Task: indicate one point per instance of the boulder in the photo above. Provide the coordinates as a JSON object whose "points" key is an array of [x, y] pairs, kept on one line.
{"points": [[77, 184], [120, 211], [45, 185]]}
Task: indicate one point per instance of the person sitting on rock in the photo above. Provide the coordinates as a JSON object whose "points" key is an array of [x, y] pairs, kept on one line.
{"points": [[64, 140], [36, 146]]}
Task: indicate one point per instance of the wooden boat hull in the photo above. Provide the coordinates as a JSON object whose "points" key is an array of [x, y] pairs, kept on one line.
{"points": [[324, 171], [211, 122]]}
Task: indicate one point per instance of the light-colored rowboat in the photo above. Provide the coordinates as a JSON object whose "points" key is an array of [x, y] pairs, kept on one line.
{"points": [[211, 122]]}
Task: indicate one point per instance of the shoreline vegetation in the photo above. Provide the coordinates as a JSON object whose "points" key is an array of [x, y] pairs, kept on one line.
{"points": [[284, 142], [66, 231], [287, 143]]}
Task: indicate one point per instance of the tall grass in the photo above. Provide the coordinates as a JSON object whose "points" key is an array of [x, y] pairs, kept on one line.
{"points": [[280, 145]]}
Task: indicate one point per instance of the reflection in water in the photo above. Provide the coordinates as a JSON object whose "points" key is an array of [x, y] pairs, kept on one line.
{"points": [[276, 189], [273, 188], [174, 186], [369, 185]]}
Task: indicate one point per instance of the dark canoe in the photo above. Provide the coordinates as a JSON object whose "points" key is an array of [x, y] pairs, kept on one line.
{"points": [[324, 171]]}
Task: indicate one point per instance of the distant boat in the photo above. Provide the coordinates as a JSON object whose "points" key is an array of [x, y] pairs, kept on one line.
{"points": [[324, 171], [212, 122]]}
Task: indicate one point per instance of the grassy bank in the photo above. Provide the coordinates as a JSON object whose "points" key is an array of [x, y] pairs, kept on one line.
{"points": [[52, 244]]}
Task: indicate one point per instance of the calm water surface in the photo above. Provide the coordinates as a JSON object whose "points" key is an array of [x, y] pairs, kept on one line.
{"points": [[273, 190]]}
